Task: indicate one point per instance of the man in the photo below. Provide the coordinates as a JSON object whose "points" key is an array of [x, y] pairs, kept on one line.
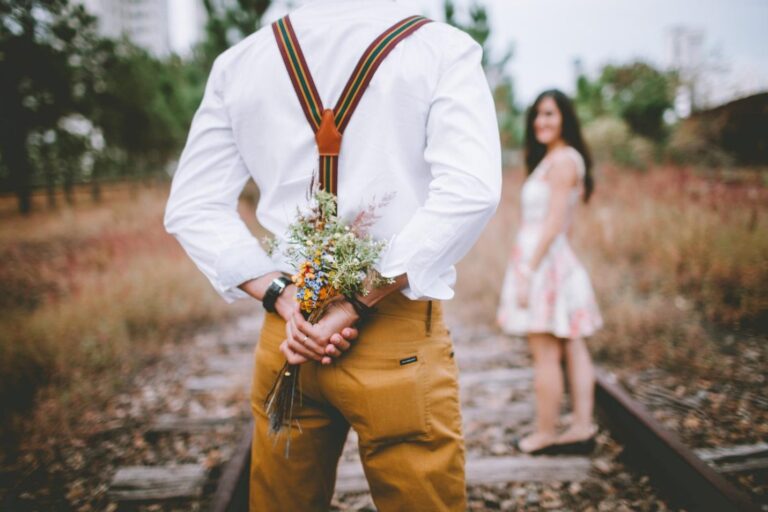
{"points": [[424, 130]]}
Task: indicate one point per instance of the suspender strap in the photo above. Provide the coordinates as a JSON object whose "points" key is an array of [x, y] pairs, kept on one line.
{"points": [[369, 63], [298, 70], [328, 124]]}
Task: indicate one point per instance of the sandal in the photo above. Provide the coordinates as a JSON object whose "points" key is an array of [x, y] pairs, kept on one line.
{"points": [[550, 449], [581, 447]]}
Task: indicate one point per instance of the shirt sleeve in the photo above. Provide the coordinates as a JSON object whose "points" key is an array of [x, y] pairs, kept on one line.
{"points": [[201, 212], [463, 151]]}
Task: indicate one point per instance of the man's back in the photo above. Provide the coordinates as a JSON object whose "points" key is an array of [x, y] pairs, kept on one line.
{"points": [[425, 126], [388, 128]]}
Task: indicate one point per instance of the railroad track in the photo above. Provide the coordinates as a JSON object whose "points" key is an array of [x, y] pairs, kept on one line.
{"points": [[682, 474], [497, 403]]}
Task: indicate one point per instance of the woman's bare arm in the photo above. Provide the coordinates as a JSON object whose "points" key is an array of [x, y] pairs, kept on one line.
{"points": [[562, 177]]}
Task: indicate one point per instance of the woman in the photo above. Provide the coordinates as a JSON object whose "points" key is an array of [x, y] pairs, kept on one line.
{"points": [[547, 294]]}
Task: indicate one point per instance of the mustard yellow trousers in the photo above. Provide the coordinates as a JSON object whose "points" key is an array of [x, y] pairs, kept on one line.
{"points": [[397, 386]]}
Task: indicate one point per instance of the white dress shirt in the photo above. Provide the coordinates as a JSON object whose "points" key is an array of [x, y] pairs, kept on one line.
{"points": [[425, 130]]}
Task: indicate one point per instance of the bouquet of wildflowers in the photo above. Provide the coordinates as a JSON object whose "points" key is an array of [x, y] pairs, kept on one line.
{"points": [[335, 260]]}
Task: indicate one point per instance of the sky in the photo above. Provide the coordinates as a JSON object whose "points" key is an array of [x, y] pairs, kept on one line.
{"points": [[547, 35]]}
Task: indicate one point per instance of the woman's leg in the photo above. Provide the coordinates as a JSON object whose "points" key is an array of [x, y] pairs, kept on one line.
{"points": [[581, 380], [547, 353]]}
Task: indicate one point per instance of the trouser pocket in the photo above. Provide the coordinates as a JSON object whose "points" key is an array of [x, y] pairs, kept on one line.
{"points": [[386, 396], [396, 399]]}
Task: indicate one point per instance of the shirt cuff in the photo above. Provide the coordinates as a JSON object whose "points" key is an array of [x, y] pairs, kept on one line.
{"points": [[239, 264], [424, 281]]}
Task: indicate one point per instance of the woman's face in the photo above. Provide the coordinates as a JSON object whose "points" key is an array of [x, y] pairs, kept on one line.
{"points": [[547, 126]]}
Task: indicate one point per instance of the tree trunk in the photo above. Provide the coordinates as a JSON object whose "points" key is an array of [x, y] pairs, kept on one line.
{"points": [[16, 158], [69, 185], [50, 187], [96, 187]]}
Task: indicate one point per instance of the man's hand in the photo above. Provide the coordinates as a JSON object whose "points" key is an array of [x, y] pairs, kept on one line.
{"points": [[300, 344], [335, 329], [339, 343], [330, 337]]}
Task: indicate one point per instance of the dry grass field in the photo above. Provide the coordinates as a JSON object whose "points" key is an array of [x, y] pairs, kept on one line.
{"points": [[90, 294]]}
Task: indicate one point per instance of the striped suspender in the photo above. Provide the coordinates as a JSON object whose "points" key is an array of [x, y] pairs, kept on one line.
{"points": [[329, 125]]}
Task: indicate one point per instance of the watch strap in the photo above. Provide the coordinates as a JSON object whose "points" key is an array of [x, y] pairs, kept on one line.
{"points": [[275, 289]]}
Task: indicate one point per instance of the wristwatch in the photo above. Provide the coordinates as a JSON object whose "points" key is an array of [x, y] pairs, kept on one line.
{"points": [[276, 287]]}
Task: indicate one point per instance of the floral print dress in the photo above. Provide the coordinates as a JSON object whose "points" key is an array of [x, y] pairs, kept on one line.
{"points": [[562, 300]]}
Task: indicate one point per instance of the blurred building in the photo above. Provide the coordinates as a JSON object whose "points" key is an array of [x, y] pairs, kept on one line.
{"points": [[187, 25], [145, 22], [685, 48]]}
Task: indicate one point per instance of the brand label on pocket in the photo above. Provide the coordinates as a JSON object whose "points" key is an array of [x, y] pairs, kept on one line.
{"points": [[408, 360]]}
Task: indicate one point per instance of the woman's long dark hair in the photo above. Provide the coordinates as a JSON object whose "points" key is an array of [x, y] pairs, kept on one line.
{"points": [[571, 134]]}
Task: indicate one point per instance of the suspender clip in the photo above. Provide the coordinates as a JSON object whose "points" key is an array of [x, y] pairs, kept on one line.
{"points": [[328, 136]]}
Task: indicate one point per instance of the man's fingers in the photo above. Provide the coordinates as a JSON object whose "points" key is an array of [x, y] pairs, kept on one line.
{"points": [[307, 342], [291, 356], [302, 350], [301, 324], [294, 332], [349, 333], [331, 350], [339, 342], [303, 329]]}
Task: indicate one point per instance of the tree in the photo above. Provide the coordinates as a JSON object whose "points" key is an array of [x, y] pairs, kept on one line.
{"points": [[140, 107], [41, 48], [77, 106], [636, 92], [641, 95]]}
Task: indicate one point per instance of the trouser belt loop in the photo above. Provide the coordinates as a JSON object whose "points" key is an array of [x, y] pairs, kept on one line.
{"points": [[429, 318]]}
